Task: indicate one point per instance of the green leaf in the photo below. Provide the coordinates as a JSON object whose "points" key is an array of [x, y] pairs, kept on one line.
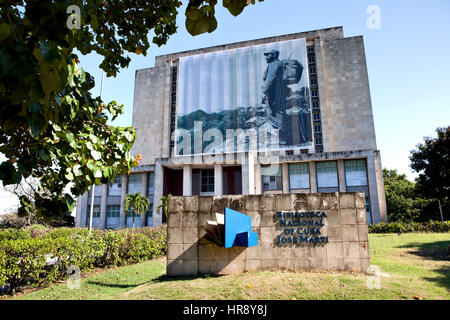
{"points": [[44, 155], [76, 170], [235, 7], [8, 174], [90, 146], [71, 139], [96, 155], [38, 123], [83, 76], [69, 175], [71, 203], [200, 18], [48, 54], [97, 173], [93, 138]]}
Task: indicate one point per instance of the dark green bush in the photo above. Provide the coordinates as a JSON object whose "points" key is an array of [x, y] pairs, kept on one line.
{"points": [[403, 227], [23, 261], [25, 254]]}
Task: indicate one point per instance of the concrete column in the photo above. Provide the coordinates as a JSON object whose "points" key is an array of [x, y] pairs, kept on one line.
{"points": [[187, 180], [312, 177], [218, 180], [285, 177], [123, 217], [78, 212], [102, 223], [251, 173], [380, 185], [158, 192], [144, 192], [373, 190], [341, 176], [244, 173], [258, 179], [81, 208]]}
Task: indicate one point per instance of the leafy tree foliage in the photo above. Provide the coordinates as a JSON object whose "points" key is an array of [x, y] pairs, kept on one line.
{"points": [[401, 201], [137, 203], [51, 127], [431, 160]]}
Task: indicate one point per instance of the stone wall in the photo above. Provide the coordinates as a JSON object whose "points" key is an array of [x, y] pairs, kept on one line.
{"points": [[345, 102], [151, 116], [345, 227]]}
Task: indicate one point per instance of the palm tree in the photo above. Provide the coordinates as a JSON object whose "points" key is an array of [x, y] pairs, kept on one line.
{"points": [[163, 204], [137, 203]]}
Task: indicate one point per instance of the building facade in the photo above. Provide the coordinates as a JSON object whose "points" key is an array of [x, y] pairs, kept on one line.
{"points": [[285, 114]]}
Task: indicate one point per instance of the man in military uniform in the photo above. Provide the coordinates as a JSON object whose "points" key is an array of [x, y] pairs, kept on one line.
{"points": [[274, 87]]}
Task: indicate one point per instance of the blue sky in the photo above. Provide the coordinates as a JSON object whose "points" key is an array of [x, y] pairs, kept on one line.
{"points": [[408, 60]]}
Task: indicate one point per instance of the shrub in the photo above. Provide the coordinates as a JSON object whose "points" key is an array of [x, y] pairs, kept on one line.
{"points": [[14, 234], [403, 227], [22, 262], [25, 253]]}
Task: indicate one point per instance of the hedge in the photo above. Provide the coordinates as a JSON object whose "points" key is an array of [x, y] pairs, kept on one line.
{"points": [[26, 255], [403, 227]]}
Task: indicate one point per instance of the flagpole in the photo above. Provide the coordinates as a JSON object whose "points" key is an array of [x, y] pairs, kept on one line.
{"points": [[91, 214]]}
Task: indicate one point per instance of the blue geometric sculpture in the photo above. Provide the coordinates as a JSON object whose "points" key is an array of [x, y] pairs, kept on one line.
{"points": [[238, 230], [231, 229]]}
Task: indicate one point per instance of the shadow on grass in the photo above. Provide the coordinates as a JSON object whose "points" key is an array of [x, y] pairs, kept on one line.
{"points": [[165, 278], [162, 278], [437, 251], [115, 285]]}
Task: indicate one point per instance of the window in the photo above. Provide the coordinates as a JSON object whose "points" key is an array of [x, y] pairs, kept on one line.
{"points": [[310, 49], [304, 151], [315, 104], [299, 176], [134, 183], [95, 213], [317, 129], [271, 176], [314, 93], [316, 116], [207, 181], [151, 183], [312, 70], [355, 172], [113, 211], [326, 174], [312, 59], [367, 205], [314, 81], [319, 141], [150, 210], [115, 186]]}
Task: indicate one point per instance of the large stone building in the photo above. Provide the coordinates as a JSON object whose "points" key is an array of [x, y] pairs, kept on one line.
{"points": [[319, 138]]}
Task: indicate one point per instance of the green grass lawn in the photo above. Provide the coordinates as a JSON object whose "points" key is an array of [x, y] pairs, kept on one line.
{"points": [[412, 265]]}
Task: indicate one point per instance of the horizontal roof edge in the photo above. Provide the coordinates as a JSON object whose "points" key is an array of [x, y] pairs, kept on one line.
{"points": [[327, 33]]}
